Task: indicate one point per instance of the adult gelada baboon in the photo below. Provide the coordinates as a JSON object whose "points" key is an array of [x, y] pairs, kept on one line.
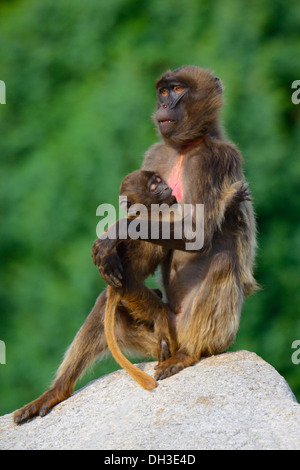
{"points": [[135, 260], [205, 289]]}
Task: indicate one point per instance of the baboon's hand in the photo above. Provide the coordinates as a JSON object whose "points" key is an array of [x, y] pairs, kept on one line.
{"points": [[243, 193], [105, 256]]}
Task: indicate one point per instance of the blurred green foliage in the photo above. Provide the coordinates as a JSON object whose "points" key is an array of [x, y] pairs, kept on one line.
{"points": [[80, 93]]}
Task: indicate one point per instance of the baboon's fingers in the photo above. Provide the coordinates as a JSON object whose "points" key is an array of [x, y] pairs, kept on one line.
{"points": [[111, 271]]}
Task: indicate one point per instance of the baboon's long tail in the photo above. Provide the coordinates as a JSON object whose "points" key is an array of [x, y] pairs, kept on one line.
{"points": [[145, 380]]}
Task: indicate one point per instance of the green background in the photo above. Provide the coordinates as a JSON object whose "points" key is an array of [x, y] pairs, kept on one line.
{"points": [[80, 94]]}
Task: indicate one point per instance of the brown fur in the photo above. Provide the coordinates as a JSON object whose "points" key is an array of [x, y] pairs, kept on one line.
{"points": [[205, 289], [138, 264]]}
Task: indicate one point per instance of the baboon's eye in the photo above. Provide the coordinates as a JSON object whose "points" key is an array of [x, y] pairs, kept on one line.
{"points": [[164, 92], [153, 187], [158, 179], [178, 89]]}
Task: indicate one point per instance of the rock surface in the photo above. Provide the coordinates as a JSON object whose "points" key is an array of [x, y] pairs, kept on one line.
{"points": [[230, 401]]}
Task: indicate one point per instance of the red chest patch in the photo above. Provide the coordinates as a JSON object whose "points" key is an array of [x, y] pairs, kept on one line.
{"points": [[175, 180]]}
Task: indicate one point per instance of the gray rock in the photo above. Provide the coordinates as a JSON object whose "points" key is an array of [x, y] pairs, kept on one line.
{"points": [[230, 401]]}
